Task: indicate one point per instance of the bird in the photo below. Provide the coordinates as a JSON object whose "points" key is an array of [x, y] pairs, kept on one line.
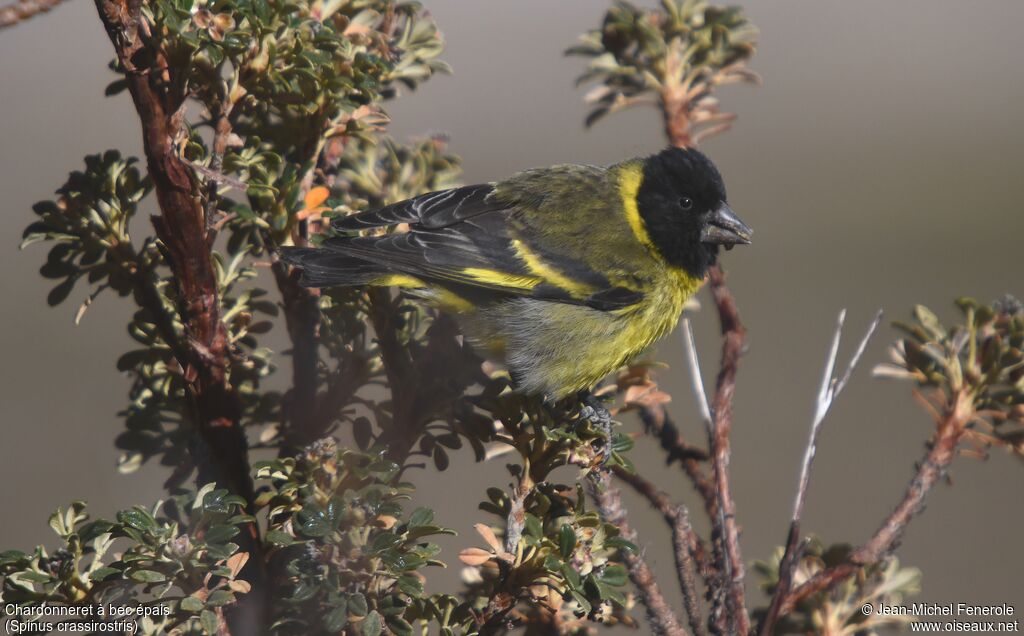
{"points": [[563, 273]]}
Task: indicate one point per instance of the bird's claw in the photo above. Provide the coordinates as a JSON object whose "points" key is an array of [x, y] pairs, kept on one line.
{"points": [[595, 413]]}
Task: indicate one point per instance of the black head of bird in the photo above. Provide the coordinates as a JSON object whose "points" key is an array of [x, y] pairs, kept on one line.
{"points": [[682, 202]]}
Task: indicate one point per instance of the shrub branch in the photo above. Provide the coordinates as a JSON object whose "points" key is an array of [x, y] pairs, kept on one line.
{"points": [[688, 549], [663, 620], [22, 10], [829, 389], [182, 231], [951, 428]]}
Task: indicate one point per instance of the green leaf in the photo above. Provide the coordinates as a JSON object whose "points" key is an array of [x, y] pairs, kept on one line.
{"points": [[191, 604], [221, 550], [614, 575], [220, 534], [371, 625], [621, 544], [218, 598], [9, 557], [278, 537], [147, 576], [621, 442], [100, 574], [35, 577], [357, 605], [336, 619], [399, 626], [208, 621], [533, 526], [312, 522], [566, 540], [571, 576], [582, 600], [201, 495], [410, 585], [421, 517]]}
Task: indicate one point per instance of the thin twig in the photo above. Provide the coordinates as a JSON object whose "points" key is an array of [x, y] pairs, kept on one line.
{"points": [[858, 354], [660, 501], [662, 619], [218, 177], [828, 390], [22, 10], [957, 414], [688, 549], [657, 421], [696, 381], [221, 135], [516, 520], [682, 551]]}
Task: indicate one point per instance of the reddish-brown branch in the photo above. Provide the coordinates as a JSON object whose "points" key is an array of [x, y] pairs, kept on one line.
{"points": [[662, 619], [688, 549], [425, 381], [302, 318], [22, 10], [351, 374], [733, 342], [932, 469], [675, 109], [398, 368], [182, 232], [660, 501], [657, 421], [787, 567], [676, 117], [181, 228]]}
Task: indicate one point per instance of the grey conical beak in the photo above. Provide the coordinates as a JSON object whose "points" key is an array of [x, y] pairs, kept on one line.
{"points": [[725, 228]]}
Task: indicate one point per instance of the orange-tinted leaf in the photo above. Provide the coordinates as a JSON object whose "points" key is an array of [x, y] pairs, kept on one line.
{"points": [[475, 556], [316, 196], [236, 562], [489, 537]]}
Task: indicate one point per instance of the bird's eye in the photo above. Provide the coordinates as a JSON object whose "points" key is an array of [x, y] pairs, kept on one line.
{"points": [[686, 203]]}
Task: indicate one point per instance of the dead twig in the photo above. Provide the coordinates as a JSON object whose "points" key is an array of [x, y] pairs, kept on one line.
{"points": [[696, 380], [829, 389], [950, 430]]}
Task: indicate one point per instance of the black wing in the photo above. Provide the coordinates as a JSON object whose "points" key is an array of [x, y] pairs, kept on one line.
{"points": [[464, 237], [433, 210]]}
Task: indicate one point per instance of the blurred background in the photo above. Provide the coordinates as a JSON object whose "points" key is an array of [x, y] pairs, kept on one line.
{"points": [[880, 165]]}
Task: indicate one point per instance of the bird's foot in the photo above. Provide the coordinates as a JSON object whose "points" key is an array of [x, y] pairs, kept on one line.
{"points": [[593, 411]]}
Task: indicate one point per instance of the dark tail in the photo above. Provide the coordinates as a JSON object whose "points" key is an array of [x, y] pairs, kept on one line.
{"points": [[328, 268]]}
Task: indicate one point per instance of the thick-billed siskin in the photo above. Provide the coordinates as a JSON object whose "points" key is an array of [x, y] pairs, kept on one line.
{"points": [[564, 273]]}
